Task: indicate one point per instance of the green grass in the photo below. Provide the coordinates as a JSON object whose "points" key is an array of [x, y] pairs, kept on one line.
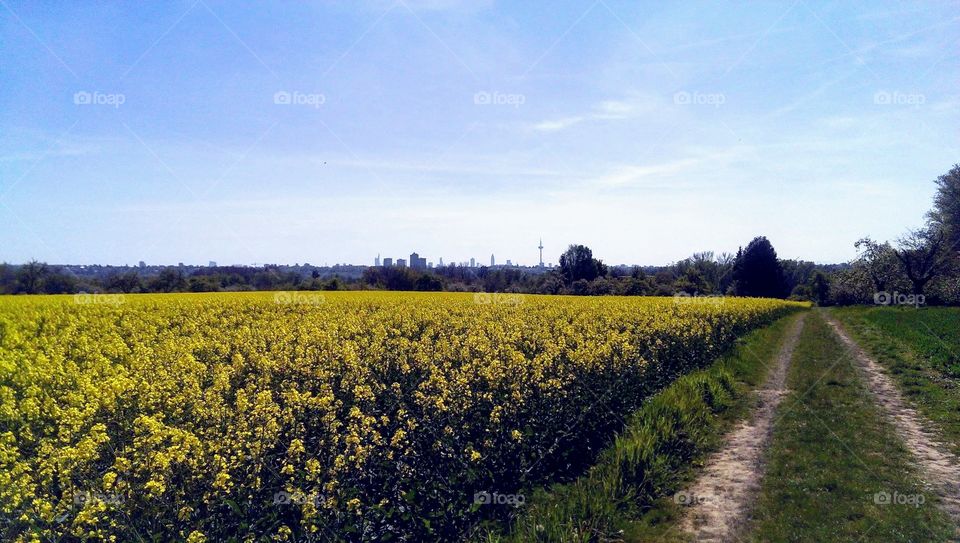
{"points": [[919, 349], [627, 494], [932, 333], [832, 451]]}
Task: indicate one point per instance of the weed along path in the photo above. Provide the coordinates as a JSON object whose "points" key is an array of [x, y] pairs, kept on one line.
{"points": [[940, 467], [720, 499]]}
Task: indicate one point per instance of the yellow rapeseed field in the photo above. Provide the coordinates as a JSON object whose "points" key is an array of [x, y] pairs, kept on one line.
{"points": [[320, 416]]}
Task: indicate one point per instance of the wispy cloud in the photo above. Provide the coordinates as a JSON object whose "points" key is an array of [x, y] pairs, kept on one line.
{"points": [[606, 110]]}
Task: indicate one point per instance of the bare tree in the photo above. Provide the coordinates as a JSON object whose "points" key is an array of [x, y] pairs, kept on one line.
{"points": [[924, 256]]}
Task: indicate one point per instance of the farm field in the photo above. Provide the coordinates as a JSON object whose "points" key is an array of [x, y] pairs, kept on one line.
{"points": [[323, 416]]}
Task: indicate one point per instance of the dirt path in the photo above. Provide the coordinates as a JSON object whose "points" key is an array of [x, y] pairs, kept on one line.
{"points": [[941, 467], [721, 498]]}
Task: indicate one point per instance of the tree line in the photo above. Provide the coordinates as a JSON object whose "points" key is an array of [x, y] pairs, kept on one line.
{"points": [[923, 262]]}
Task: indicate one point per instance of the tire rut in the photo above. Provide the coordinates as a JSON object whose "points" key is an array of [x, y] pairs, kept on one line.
{"points": [[719, 502], [941, 468]]}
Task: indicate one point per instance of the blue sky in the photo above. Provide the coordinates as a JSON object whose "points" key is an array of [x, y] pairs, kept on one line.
{"points": [[329, 132]]}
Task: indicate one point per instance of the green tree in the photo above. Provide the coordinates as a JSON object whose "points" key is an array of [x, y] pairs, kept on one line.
{"points": [[757, 271], [577, 263], [880, 262], [945, 214], [169, 280], [820, 288]]}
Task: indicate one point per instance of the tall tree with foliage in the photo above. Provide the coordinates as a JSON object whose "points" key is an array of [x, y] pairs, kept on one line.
{"points": [[820, 288], [577, 263], [757, 271], [945, 214]]}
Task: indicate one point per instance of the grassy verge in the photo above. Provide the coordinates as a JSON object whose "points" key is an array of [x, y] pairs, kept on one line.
{"points": [[627, 494], [832, 453], [921, 351]]}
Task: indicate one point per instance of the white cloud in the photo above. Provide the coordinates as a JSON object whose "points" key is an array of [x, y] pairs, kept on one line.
{"points": [[605, 110], [557, 124]]}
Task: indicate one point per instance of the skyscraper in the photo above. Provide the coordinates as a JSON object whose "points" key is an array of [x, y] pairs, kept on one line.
{"points": [[492, 261], [541, 252], [376, 261], [417, 262], [387, 262], [473, 263]]}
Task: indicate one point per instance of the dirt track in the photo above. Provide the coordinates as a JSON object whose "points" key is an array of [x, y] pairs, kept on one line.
{"points": [[941, 468], [720, 499]]}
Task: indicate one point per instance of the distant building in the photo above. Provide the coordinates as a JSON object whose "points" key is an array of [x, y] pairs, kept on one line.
{"points": [[212, 264], [142, 264], [473, 263], [387, 262], [417, 263], [376, 261], [492, 261], [401, 263], [509, 263], [441, 262]]}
